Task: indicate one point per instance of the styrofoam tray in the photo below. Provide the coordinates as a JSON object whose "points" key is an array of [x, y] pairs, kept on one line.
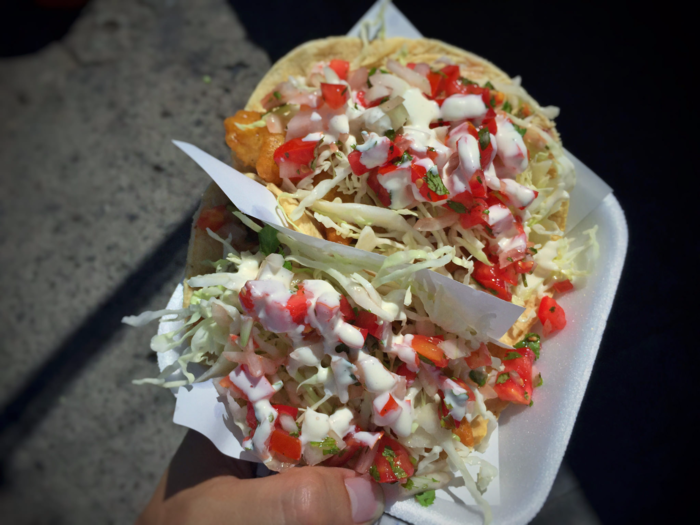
{"points": [[532, 440]]}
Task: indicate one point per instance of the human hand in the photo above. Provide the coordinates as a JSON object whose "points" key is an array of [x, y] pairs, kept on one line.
{"points": [[203, 486]]}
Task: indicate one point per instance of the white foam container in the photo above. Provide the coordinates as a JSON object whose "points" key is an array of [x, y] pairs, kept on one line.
{"points": [[532, 440]]}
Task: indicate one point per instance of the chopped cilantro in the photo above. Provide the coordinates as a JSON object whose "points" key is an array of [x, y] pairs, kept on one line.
{"points": [[524, 280], [287, 265], [479, 178], [277, 95], [512, 355], [485, 212], [520, 130], [531, 341], [435, 183], [502, 378], [507, 107], [328, 446], [532, 250], [390, 134], [206, 79], [466, 81], [374, 472], [413, 460], [489, 85], [294, 434], [439, 72], [531, 403], [382, 70], [405, 157], [510, 259], [269, 243], [457, 206], [427, 498], [492, 102], [540, 381], [484, 138], [409, 484], [552, 309], [372, 71], [344, 91], [478, 377]]}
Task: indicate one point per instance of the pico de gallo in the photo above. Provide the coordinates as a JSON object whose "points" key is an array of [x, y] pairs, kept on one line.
{"points": [[411, 155]]}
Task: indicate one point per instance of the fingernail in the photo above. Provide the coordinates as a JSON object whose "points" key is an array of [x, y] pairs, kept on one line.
{"points": [[366, 498]]}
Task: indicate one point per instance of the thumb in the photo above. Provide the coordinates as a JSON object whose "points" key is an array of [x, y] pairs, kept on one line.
{"points": [[310, 495]]}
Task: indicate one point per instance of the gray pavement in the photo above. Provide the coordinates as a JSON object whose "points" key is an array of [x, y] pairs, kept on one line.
{"points": [[94, 210]]}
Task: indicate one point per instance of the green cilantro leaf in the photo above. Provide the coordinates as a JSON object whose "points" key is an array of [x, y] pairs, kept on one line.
{"points": [[409, 484], [540, 381], [268, 240], [507, 107], [435, 183], [277, 95], [502, 378], [294, 434], [512, 355], [328, 446], [457, 206], [524, 280], [390, 134], [520, 130], [531, 341], [427, 498], [287, 265], [489, 85], [374, 472], [405, 157], [484, 138], [466, 81]]}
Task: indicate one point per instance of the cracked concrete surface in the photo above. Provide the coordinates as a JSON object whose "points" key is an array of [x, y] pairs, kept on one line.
{"points": [[90, 181]]}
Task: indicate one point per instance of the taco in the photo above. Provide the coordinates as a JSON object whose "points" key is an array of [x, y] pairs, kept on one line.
{"points": [[403, 144]]}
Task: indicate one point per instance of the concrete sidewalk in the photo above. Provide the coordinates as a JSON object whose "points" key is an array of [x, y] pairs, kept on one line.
{"points": [[95, 205]]}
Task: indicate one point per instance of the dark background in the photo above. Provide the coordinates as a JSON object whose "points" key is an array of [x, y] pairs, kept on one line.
{"points": [[621, 76]]}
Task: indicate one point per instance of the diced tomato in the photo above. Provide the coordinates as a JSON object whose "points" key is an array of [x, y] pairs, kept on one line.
{"points": [[508, 274], [490, 123], [432, 154], [403, 370], [339, 460], [524, 266], [284, 444], [509, 390], [364, 333], [475, 214], [380, 191], [411, 65], [297, 306], [563, 286], [517, 389], [370, 322], [335, 95], [296, 151], [246, 300], [346, 309], [250, 418], [428, 348], [499, 97], [213, 218], [400, 460], [356, 164], [477, 184], [284, 409], [395, 152], [479, 357], [551, 315], [341, 68], [361, 99], [390, 405], [494, 198], [434, 78], [489, 277]]}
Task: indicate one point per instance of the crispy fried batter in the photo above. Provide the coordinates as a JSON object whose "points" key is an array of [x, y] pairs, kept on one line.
{"points": [[245, 143], [479, 426], [305, 224], [334, 236], [267, 168]]}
